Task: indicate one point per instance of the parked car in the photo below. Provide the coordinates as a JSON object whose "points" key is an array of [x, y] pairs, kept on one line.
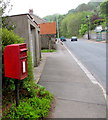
{"points": [[74, 38], [62, 38]]}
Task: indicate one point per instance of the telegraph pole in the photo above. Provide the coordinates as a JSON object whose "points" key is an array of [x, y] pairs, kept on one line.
{"points": [[88, 27], [57, 28]]}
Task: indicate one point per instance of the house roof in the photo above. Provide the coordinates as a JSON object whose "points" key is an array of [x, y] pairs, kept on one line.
{"points": [[30, 17], [48, 28]]}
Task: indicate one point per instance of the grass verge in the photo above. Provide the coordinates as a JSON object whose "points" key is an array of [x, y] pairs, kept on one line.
{"points": [[48, 50]]}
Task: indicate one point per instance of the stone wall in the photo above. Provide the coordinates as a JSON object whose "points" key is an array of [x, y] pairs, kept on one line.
{"points": [[48, 42]]}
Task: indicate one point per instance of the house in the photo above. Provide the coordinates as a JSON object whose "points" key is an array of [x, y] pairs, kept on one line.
{"points": [[48, 35], [28, 28]]}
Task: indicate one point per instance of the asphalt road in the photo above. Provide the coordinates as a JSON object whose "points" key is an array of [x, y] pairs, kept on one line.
{"points": [[92, 55]]}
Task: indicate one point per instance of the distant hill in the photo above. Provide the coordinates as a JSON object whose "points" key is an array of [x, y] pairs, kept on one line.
{"points": [[91, 6], [97, 0], [85, 7], [51, 18]]}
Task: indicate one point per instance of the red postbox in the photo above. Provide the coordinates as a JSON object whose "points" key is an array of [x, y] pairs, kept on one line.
{"points": [[15, 61]]}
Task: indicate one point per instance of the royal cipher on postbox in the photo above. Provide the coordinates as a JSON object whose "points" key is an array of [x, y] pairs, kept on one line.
{"points": [[15, 61]]}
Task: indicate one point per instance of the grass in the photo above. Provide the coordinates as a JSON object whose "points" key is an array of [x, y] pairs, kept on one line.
{"points": [[48, 50]]}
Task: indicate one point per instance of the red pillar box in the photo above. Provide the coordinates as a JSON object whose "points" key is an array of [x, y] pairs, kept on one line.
{"points": [[15, 61]]}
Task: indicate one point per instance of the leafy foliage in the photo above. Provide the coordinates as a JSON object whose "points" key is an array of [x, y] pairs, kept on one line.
{"points": [[35, 107], [9, 37], [85, 7], [95, 20], [51, 18], [5, 6], [70, 25], [104, 8], [83, 29], [5, 23]]}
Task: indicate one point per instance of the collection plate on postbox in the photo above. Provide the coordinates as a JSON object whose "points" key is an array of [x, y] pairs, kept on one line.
{"points": [[15, 61]]}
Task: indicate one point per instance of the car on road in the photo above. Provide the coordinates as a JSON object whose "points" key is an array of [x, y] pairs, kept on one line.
{"points": [[62, 38], [74, 38]]}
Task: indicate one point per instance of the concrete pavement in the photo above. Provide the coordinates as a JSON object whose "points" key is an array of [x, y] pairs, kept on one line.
{"points": [[75, 95]]}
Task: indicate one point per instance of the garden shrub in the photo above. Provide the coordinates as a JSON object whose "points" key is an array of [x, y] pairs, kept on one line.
{"points": [[35, 107], [9, 37]]}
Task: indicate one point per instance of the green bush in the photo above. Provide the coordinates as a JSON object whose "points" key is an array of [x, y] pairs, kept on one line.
{"points": [[28, 83], [35, 107], [83, 29], [24, 110], [9, 37]]}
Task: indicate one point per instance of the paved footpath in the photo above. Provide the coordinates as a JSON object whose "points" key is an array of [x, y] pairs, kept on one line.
{"points": [[75, 95]]}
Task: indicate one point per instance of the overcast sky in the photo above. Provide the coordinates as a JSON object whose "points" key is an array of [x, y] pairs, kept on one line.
{"points": [[43, 8]]}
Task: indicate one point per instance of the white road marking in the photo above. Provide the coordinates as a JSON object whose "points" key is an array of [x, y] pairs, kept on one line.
{"points": [[87, 72]]}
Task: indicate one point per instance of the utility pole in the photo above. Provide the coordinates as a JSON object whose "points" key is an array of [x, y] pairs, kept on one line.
{"points": [[57, 28], [88, 26]]}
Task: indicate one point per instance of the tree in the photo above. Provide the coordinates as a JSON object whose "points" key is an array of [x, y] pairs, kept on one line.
{"points": [[70, 25], [82, 7], [104, 8], [5, 6], [104, 13], [83, 29], [95, 20]]}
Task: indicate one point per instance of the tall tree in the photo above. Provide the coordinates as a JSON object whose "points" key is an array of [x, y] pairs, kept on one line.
{"points": [[104, 13], [5, 6], [104, 8]]}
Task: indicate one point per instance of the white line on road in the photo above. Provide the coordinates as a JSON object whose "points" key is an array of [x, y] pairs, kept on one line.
{"points": [[87, 72]]}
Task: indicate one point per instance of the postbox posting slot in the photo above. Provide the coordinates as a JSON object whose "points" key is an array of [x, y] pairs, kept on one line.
{"points": [[23, 57], [22, 46], [23, 53], [23, 50]]}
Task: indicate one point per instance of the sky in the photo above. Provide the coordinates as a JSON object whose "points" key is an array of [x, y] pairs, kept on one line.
{"points": [[43, 8]]}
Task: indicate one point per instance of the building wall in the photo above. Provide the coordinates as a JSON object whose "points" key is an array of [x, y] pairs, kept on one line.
{"points": [[34, 42], [48, 42], [21, 26], [48, 35], [27, 29]]}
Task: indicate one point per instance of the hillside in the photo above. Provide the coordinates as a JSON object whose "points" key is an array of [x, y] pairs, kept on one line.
{"points": [[85, 7], [51, 18], [69, 24], [91, 6]]}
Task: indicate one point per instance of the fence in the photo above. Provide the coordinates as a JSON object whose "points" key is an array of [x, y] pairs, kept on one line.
{"points": [[100, 36]]}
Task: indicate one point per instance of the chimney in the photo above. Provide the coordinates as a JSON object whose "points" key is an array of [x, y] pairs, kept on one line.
{"points": [[30, 11]]}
